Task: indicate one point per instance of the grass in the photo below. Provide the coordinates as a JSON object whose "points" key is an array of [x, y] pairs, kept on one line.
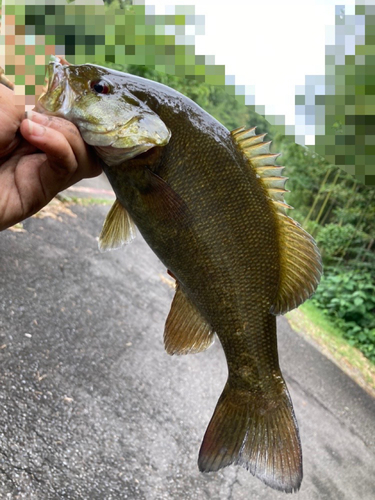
{"points": [[312, 324], [85, 202], [59, 206]]}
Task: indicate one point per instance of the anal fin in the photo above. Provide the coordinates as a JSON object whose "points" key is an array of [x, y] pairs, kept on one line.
{"points": [[186, 331], [118, 229]]}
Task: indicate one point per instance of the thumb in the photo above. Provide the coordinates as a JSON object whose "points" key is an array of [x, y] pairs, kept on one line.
{"points": [[69, 159]]}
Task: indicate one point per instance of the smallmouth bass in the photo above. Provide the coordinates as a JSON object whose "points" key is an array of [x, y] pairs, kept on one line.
{"points": [[209, 202]]}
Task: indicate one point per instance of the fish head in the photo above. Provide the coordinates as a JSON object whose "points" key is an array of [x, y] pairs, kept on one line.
{"points": [[108, 116]]}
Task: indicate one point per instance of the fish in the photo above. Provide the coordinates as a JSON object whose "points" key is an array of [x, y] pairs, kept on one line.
{"points": [[210, 204]]}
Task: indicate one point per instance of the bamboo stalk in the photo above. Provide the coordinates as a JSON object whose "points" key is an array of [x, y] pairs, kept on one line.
{"points": [[307, 218], [327, 197], [355, 231], [328, 212], [371, 242], [349, 202]]}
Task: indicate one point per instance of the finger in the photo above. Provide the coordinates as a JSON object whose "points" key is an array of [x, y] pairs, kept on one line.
{"points": [[66, 144], [8, 107], [61, 168], [10, 119], [62, 162], [86, 157], [61, 125]]}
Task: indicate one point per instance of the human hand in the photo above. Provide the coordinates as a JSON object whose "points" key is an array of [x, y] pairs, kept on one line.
{"points": [[39, 157]]}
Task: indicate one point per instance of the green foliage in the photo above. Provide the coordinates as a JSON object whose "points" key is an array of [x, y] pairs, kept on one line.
{"points": [[333, 239], [304, 171], [349, 300], [339, 212]]}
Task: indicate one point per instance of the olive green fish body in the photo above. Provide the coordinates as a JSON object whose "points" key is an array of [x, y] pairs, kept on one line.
{"points": [[225, 216], [209, 203]]}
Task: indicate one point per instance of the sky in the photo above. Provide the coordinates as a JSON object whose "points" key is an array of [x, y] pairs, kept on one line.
{"points": [[267, 45]]}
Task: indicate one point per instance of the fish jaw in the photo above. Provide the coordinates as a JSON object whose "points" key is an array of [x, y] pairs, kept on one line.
{"points": [[57, 98], [112, 155], [117, 124], [131, 139]]}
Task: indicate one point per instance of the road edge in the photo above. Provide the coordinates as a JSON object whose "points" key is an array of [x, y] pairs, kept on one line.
{"points": [[364, 376]]}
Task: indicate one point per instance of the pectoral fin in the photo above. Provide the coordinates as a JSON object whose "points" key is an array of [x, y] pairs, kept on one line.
{"points": [[118, 229], [186, 331], [162, 199]]}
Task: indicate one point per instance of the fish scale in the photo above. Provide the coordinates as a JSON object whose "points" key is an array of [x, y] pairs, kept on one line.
{"points": [[209, 202]]}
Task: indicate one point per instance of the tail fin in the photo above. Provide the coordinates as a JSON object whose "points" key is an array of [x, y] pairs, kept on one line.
{"points": [[257, 433]]}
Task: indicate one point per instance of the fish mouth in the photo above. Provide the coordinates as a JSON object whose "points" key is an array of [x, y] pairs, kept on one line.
{"points": [[54, 78], [56, 95], [55, 73], [136, 136]]}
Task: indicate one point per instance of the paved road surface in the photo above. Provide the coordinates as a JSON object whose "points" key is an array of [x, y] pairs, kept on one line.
{"points": [[91, 407]]}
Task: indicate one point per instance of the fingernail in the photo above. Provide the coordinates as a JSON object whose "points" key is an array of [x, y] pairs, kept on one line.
{"points": [[36, 117], [35, 128], [29, 115]]}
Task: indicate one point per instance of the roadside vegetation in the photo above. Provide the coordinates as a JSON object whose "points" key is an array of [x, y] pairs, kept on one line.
{"points": [[310, 322]]}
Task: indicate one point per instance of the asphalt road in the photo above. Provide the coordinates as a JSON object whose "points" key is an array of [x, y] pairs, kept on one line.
{"points": [[91, 407]]}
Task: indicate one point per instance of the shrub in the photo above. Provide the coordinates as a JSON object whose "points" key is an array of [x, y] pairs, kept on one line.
{"points": [[333, 239], [349, 299]]}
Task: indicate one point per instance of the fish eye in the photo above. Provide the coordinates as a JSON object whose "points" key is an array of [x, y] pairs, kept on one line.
{"points": [[100, 86]]}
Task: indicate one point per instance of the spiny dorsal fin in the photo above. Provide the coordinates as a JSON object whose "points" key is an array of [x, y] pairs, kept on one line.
{"points": [[118, 229], [186, 331], [301, 265], [262, 162]]}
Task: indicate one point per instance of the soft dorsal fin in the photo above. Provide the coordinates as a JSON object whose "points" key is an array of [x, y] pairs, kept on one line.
{"points": [[301, 265], [186, 331], [118, 229]]}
